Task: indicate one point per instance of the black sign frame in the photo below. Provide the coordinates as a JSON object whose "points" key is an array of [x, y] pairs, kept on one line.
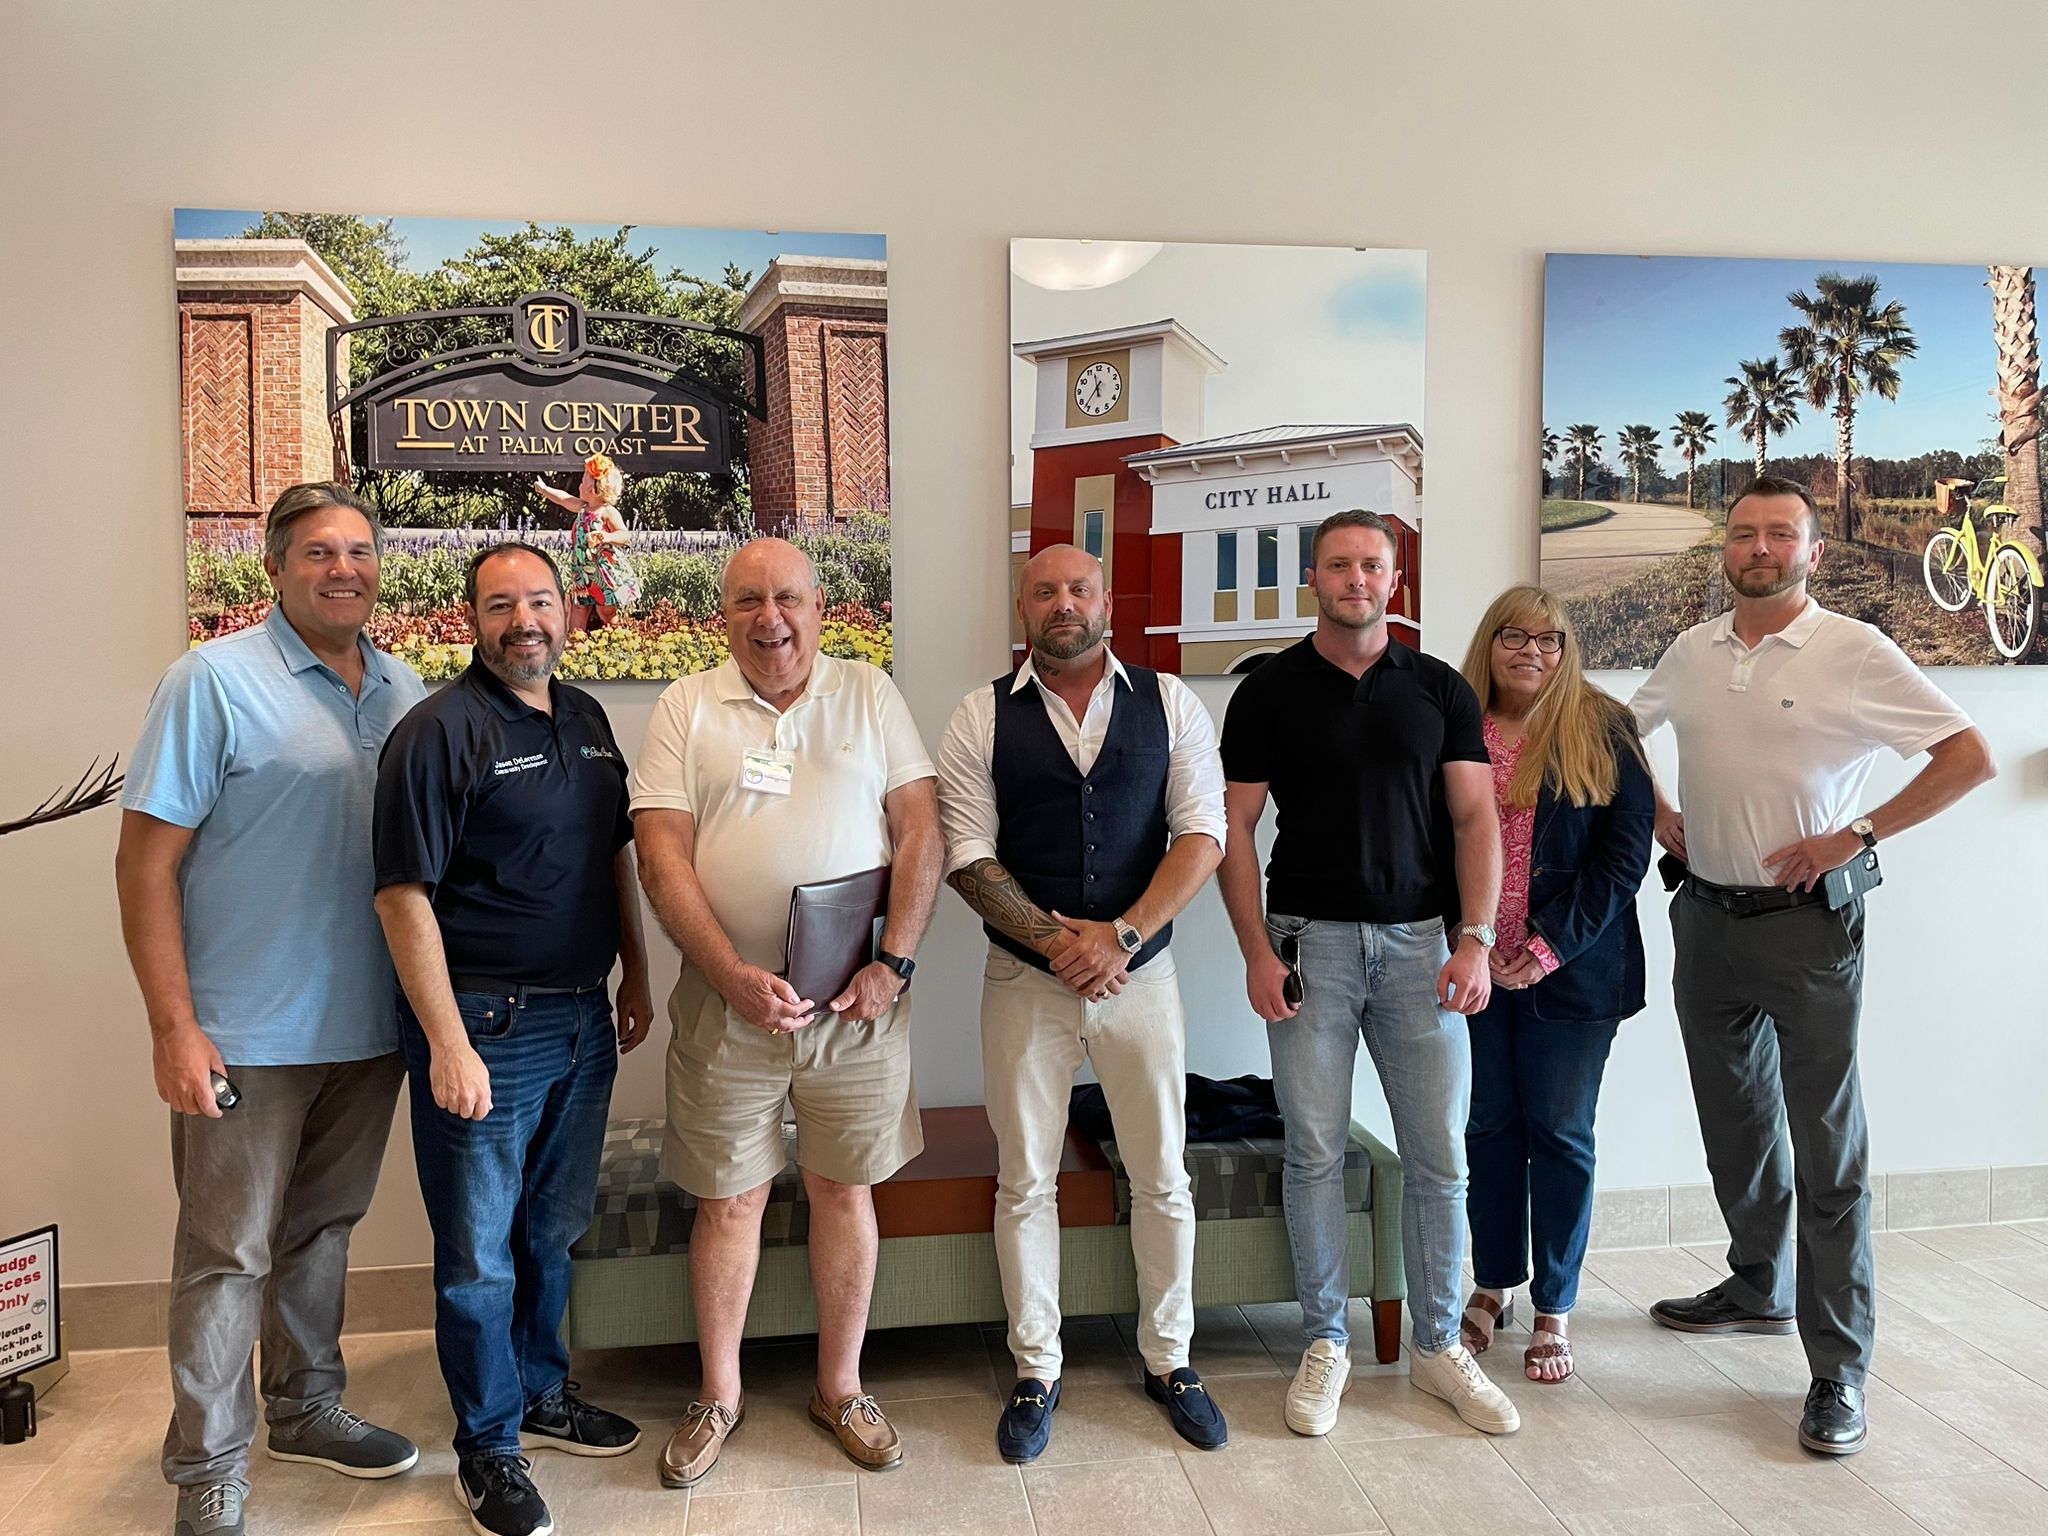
{"points": [[541, 341], [56, 1300]]}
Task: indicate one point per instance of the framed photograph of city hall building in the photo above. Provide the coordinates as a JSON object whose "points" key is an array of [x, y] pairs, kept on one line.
{"points": [[637, 400], [1189, 413]]}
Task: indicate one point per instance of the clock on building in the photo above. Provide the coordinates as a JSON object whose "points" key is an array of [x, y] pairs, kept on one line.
{"points": [[1097, 389]]}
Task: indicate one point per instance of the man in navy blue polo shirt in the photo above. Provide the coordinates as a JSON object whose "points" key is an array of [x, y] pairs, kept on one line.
{"points": [[506, 886]]}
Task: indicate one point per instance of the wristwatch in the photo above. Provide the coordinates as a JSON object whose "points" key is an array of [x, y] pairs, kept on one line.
{"points": [[1863, 828], [898, 964], [1483, 932], [1129, 937]]}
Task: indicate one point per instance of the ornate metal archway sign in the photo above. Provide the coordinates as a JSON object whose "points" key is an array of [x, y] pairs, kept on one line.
{"points": [[541, 384]]}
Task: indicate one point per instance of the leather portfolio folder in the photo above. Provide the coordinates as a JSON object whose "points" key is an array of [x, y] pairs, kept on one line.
{"points": [[832, 932]]}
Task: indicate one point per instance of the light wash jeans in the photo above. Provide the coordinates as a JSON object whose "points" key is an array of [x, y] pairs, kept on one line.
{"points": [[1377, 980]]}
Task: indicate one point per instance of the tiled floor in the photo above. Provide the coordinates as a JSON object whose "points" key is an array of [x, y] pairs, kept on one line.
{"points": [[1660, 1433]]}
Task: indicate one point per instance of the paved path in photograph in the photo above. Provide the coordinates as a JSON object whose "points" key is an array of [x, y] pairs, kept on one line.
{"points": [[1581, 561]]}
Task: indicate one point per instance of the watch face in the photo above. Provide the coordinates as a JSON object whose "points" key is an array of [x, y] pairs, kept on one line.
{"points": [[1098, 389]]}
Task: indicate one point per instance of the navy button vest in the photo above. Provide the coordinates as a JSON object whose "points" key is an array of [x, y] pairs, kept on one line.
{"points": [[1083, 845]]}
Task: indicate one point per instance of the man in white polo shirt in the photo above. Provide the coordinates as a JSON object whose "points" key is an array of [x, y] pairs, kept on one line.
{"points": [[1780, 707], [783, 768]]}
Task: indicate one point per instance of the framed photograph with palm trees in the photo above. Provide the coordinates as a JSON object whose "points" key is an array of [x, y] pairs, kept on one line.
{"points": [[1907, 398]]}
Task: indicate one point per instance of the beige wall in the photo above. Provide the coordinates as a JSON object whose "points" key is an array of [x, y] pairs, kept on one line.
{"points": [[1489, 134]]}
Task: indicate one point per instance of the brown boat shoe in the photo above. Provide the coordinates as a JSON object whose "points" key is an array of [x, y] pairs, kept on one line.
{"points": [[861, 1430], [693, 1449]]}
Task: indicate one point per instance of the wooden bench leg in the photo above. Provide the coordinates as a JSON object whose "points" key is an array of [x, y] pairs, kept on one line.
{"points": [[1386, 1331]]}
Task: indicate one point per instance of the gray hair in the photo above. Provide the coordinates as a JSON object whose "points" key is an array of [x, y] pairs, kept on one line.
{"points": [[725, 571], [299, 500]]}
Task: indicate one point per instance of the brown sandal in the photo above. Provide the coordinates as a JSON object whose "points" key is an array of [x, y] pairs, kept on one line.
{"points": [[1483, 1316], [1550, 1344]]}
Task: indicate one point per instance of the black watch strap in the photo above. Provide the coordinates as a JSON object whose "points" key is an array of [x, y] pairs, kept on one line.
{"points": [[898, 964]]}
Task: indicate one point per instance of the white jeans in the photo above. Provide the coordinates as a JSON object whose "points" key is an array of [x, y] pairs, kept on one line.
{"points": [[1034, 1034]]}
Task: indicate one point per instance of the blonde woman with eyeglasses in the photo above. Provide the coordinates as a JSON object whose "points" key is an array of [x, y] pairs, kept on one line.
{"points": [[1576, 812]]}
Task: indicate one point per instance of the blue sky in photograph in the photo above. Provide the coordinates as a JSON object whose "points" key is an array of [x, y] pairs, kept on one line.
{"points": [[700, 252], [1308, 334], [1639, 339]]}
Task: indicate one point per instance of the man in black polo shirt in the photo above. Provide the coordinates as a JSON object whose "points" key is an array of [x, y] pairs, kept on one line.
{"points": [[506, 887], [1373, 755]]}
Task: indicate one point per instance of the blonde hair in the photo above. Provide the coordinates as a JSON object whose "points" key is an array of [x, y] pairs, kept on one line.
{"points": [[605, 478], [1569, 734]]}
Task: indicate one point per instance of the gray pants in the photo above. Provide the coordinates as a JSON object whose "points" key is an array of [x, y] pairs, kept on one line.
{"points": [[267, 1196], [1768, 1008]]}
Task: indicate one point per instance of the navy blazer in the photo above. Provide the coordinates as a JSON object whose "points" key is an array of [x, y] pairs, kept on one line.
{"points": [[1585, 866]]}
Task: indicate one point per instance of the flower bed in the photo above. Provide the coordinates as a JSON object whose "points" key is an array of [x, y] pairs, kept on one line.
{"points": [[654, 645]]}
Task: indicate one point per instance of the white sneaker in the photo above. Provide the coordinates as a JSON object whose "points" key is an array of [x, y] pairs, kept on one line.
{"points": [[1453, 1375], [1312, 1400]]}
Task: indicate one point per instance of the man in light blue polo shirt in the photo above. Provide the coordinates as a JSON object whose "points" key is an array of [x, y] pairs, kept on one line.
{"points": [[244, 876]]}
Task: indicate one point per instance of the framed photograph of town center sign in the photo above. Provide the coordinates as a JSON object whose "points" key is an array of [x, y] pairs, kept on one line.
{"points": [[1905, 398], [1190, 413], [636, 400], [28, 1302]]}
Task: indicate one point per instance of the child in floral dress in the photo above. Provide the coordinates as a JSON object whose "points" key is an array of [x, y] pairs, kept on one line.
{"points": [[600, 578]]}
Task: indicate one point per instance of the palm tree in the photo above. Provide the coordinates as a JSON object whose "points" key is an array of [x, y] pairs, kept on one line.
{"points": [[1848, 345], [1549, 453], [1692, 436], [2013, 323], [1638, 445], [1764, 403], [1582, 447]]}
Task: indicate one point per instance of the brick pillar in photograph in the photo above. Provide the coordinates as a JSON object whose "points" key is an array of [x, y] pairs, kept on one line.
{"points": [[253, 318], [823, 453]]}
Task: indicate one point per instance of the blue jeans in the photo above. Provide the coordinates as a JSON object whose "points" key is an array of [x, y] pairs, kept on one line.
{"points": [[1535, 1085], [1377, 980], [506, 1196]]}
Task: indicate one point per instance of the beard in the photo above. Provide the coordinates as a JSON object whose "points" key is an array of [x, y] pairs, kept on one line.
{"points": [[1767, 580], [1374, 611], [1066, 644], [496, 655]]}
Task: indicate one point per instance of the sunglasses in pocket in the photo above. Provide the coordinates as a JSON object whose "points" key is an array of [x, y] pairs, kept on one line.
{"points": [[1289, 949]]}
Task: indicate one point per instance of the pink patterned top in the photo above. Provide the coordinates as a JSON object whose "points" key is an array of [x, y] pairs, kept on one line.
{"points": [[1518, 835]]}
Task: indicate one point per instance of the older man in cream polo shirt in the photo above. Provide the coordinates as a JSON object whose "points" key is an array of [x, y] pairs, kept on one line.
{"points": [[783, 768]]}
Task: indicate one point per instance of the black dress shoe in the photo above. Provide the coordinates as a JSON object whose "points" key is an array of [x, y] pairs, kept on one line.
{"points": [[1026, 1424], [1712, 1312], [1833, 1421], [1189, 1408]]}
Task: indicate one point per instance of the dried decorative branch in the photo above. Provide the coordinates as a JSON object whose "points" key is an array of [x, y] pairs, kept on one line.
{"points": [[95, 788]]}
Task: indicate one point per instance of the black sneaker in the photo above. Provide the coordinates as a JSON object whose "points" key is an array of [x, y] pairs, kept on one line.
{"points": [[500, 1497], [1026, 1425], [562, 1421], [1712, 1312], [1189, 1408], [1833, 1423]]}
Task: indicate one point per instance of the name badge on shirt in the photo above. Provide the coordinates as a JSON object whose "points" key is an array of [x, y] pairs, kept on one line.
{"points": [[766, 772]]}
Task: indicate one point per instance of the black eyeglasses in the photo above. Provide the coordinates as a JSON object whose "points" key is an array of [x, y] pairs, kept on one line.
{"points": [[1549, 641]]}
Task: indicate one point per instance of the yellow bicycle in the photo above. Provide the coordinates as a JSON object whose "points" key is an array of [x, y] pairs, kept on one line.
{"points": [[2002, 574]]}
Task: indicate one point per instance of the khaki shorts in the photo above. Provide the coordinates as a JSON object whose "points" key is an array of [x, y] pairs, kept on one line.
{"points": [[856, 1110]]}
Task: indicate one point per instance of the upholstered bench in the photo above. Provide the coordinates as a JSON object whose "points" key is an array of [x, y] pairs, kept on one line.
{"points": [[937, 1262]]}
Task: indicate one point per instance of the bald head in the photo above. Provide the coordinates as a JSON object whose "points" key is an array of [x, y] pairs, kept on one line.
{"points": [[773, 615], [1064, 603], [1060, 562], [765, 564]]}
